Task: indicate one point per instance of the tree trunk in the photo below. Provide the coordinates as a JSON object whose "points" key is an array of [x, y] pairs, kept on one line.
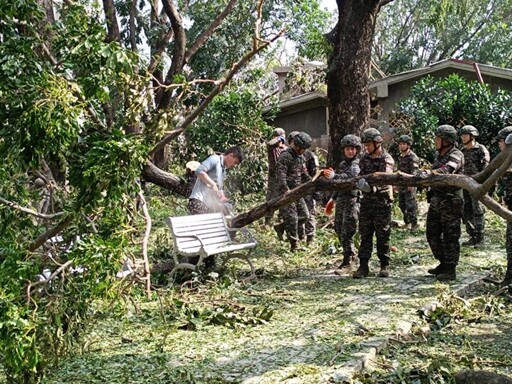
{"points": [[155, 175], [348, 71], [481, 377]]}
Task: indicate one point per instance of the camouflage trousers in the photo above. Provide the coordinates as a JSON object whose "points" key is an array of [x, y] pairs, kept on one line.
{"points": [[346, 218], [294, 215], [375, 218], [508, 245], [474, 216], [443, 228], [272, 192], [309, 227], [197, 207], [408, 205]]}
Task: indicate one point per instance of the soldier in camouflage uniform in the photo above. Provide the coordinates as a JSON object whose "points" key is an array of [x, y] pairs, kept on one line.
{"points": [[346, 202], [376, 204], [275, 147], [309, 228], [409, 163], [291, 172], [476, 158], [445, 211], [506, 188]]}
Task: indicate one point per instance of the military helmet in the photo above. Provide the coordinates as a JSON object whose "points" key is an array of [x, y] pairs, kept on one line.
{"points": [[503, 133], [350, 141], [292, 135], [371, 134], [302, 140], [405, 139], [447, 132], [470, 130], [278, 132]]}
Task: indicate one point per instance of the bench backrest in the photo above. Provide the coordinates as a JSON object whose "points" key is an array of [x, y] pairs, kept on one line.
{"points": [[210, 227]]}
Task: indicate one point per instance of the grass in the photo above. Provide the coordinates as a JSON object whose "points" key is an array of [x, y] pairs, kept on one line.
{"points": [[298, 323]]}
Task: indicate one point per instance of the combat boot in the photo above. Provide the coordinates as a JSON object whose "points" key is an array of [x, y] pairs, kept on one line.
{"points": [[309, 239], [470, 242], [384, 270], [479, 242], [294, 247], [507, 281], [414, 227], [362, 271], [447, 274], [437, 270], [344, 267], [279, 228]]}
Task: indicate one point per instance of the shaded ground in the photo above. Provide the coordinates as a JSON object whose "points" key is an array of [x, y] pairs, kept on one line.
{"points": [[322, 325]]}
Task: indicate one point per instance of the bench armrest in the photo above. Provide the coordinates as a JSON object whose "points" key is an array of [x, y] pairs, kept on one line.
{"points": [[196, 237]]}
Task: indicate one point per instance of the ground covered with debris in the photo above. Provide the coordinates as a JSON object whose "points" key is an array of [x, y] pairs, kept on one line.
{"points": [[300, 323]]}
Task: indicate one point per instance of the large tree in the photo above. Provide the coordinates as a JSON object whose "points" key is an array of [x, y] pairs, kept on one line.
{"points": [[349, 70]]}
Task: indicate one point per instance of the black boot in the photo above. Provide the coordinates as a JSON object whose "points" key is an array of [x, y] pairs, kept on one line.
{"points": [[309, 239], [507, 281], [448, 273], [479, 241], [294, 245], [437, 270], [362, 271]]}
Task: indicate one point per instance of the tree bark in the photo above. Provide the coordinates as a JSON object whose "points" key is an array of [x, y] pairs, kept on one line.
{"points": [[348, 71], [481, 377]]}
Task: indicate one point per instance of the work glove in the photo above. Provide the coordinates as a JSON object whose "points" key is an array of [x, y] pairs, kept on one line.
{"points": [[363, 185], [329, 207], [329, 173], [282, 139]]}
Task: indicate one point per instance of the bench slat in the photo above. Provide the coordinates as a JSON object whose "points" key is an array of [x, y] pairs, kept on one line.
{"points": [[214, 234]]}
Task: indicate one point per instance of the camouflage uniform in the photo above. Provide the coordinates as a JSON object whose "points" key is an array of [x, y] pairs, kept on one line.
{"points": [[274, 150], [409, 163], [445, 210], [309, 228], [475, 160], [347, 207], [375, 215], [506, 187], [291, 171]]}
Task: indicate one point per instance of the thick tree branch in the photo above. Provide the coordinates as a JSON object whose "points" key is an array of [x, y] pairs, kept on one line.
{"points": [[111, 17], [203, 37], [132, 26], [50, 233], [30, 211], [220, 84], [376, 179], [178, 56]]}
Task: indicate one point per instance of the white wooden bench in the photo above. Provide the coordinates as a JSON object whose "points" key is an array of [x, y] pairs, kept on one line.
{"points": [[207, 235]]}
